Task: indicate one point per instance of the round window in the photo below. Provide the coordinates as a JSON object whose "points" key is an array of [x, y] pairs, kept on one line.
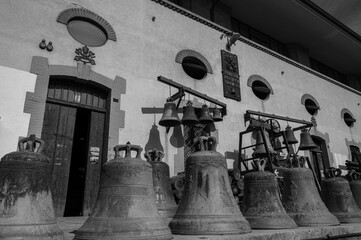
{"points": [[194, 67], [260, 89], [311, 107], [87, 32], [349, 120]]}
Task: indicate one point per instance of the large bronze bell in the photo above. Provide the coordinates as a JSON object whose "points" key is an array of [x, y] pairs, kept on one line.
{"points": [[355, 186], [260, 149], [207, 206], [189, 115], [26, 205], [170, 117], [217, 115], [161, 183], [301, 198], [205, 117], [306, 141], [125, 207], [262, 206], [290, 136], [338, 197]]}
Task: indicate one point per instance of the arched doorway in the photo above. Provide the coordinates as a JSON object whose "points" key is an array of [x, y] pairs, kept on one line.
{"points": [[74, 129], [319, 157]]}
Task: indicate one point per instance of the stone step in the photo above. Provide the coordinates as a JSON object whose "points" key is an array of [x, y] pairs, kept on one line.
{"points": [[70, 224]]}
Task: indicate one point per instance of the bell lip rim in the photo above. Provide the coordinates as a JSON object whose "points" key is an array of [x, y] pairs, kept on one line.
{"points": [[307, 148], [175, 123], [217, 119], [206, 121], [190, 122], [290, 142]]}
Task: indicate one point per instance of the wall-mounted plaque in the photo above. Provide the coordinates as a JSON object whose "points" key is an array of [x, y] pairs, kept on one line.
{"points": [[230, 73]]}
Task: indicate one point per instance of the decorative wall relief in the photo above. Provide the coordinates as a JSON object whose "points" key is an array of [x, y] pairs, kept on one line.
{"points": [[49, 47], [230, 74], [84, 55]]}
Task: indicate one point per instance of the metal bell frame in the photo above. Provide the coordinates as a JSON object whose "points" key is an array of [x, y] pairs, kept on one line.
{"points": [[272, 126], [181, 92]]}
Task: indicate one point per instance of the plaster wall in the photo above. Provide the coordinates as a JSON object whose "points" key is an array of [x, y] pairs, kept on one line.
{"points": [[13, 121], [146, 48]]}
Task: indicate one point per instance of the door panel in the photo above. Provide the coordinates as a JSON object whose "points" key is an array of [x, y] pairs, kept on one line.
{"points": [[58, 134], [95, 151]]}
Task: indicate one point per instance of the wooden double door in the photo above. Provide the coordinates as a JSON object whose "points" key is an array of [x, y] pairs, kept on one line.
{"points": [[74, 135]]}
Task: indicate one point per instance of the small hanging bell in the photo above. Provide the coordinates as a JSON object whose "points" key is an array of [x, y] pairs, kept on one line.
{"points": [[205, 117], [260, 150], [290, 136], [306, 141], [189, 115], [170, 117], [217, 115]]}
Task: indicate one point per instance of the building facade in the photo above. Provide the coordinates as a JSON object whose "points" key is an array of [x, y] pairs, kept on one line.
{"points": [[84, 76]]}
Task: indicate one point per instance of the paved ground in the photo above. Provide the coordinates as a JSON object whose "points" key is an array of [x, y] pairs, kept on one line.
{"points": [[69, 224]]}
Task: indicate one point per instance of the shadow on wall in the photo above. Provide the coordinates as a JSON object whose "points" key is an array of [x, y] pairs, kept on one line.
{"points": [[154, 140], [177, 138]]}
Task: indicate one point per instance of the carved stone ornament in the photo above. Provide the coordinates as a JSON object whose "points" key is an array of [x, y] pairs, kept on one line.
{"points": [[84, 55]]}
